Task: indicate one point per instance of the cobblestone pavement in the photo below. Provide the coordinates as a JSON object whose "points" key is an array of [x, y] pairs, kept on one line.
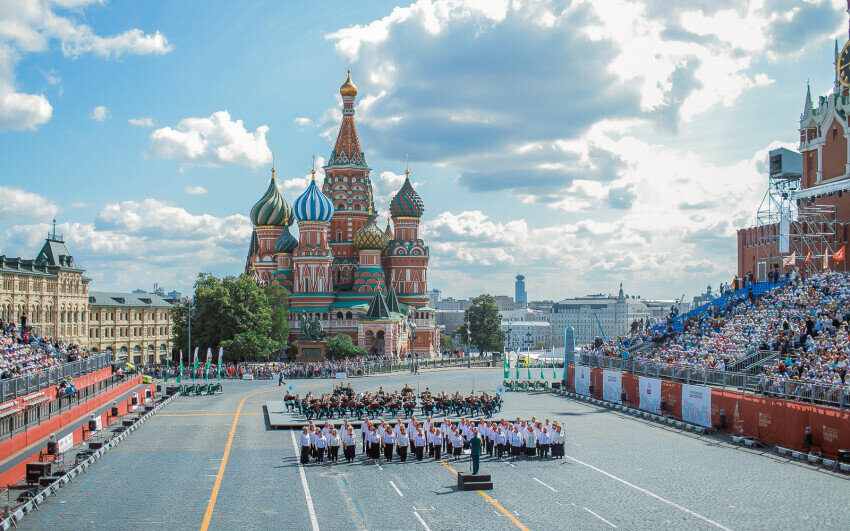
{"points": [[620, 472]]}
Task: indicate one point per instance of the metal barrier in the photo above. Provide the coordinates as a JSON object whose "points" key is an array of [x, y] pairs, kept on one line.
{"points": [[50, 376], [812, 392]]}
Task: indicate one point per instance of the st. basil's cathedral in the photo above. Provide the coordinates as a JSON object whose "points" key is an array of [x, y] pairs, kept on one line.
{"points": [[342, 269]]}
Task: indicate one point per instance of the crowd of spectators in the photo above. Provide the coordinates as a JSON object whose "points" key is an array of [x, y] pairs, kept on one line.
{"points": [[23, 352], [805, 321]]}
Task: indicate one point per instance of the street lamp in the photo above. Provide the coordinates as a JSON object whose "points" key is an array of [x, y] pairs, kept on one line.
{"points": [[528, 340]]}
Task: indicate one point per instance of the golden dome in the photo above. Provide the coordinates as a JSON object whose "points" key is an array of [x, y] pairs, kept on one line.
{"points": [[348, 88]]}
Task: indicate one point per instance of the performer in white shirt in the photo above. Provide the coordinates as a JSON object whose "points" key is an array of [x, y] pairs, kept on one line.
{"points": [[305, 446], [349, 442], [333, 445], [516, 443], [402, 442], [321, 445], [419, 445], [530, 443], [437, 441], [388, 442], [501, 442], [364, 428], [557, 442], [446, 428], [543, 443], [457, 444]]}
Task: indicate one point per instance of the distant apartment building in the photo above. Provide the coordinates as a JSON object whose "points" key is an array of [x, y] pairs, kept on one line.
{"points": [[596, 315], [524, 335]]}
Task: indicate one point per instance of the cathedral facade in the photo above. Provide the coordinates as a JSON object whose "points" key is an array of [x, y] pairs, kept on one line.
{"points": [[342, 269]]}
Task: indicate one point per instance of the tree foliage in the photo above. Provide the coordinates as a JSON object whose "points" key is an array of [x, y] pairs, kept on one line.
{"points": [[341, 346], [249, 321], [446, 343], [483, 319]]}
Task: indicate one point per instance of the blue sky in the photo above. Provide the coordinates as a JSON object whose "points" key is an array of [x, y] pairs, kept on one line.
{"points": [[583, 143]]}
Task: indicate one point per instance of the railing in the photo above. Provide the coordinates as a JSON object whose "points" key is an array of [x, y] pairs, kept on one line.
{"points": [[24, 385], [829, 394]]}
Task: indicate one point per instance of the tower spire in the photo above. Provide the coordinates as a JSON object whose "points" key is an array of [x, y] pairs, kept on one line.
{"points": [[808, 105], [313, 171], [407, 166], [836, 85], [272, 165]]}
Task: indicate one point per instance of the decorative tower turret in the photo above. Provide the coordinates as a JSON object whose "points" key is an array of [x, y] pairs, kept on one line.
{"points": [[312, 258], [269, 216], [370, 241], [283, 246], [347, 184], [406, 256]]}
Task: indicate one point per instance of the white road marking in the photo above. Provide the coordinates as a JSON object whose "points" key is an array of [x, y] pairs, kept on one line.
{"points": [[421, 521], [648, 493], [310, 509], [596, 515], [545, 485], [396, 489], [559, 503]]}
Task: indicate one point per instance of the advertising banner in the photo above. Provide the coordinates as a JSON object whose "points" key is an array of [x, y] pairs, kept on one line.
{"points": [[612, 386], [65, 443], [696, 404], [341, 375], [650, 394], [582, 380]]}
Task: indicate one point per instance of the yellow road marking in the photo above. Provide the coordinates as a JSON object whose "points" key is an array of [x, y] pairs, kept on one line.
{"points": [[496, 504], [211, 505]]}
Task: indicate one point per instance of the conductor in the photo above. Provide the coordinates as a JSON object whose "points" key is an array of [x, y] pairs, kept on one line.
{"points": [[475, 445]]}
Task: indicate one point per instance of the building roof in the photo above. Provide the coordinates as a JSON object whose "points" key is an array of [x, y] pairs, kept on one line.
{"points": [[134, 300], [392, 301]]}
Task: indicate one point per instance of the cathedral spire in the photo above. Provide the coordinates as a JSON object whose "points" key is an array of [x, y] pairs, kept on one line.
{"points": [[808, 105], [836, 85], [347, 147]]}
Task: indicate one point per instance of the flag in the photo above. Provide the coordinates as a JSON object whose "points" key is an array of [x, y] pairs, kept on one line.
{"points": [[517, 365], [790, 259], [542, 377], [808, 259], [507, 367], [220, 353], [207, 368], [195, 364], [529, 367], [180, 372], [839, 256], [166, 368], [826, 261]]}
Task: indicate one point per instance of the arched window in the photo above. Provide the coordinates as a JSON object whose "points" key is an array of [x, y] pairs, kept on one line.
{"points": [[348, 315], [339, 315]]}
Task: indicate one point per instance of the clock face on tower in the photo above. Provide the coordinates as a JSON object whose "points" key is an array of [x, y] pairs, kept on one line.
{"points": [[843, 66]]}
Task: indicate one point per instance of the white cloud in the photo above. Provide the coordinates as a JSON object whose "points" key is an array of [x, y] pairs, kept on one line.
{"points": [[79, 204], [31, 27], [195, 190], [136, 243], [100, 114], [213, 140], [303, 123], [141, 122], [18, 205]]}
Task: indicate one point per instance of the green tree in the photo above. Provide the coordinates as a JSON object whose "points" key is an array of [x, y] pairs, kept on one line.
{"points": [[341, 346], [224, 308], [540, 345], [483, 319], [278, 298], [446, 343]]}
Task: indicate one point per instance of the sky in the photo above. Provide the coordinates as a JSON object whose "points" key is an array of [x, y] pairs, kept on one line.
{"points": [[582, 143]]}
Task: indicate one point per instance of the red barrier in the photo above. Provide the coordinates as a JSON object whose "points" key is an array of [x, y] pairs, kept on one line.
{"points": [[630, 386], [782, 422], [80, 382]]}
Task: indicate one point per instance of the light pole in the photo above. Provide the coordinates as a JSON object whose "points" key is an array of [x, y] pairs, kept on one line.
{"points": [[189, 318]]}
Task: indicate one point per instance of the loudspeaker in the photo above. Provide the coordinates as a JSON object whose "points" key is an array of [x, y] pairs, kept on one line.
{"points": [[37, 470], [92, 425], [844, 456], [590, 389], [52, 448], [95, 445], [556, 385], [135, 400], [128, 423], [114, 411]]}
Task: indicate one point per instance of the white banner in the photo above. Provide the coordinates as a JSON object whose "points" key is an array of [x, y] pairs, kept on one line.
{"points": [[650, 394], [341, 375], [582, 380], [696, 404], [98, 420], [65, 443], [612, 386], [247, 376]]}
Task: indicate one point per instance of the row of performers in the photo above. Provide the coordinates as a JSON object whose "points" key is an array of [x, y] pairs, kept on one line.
{"points": [[528, 438], [339, 405]]}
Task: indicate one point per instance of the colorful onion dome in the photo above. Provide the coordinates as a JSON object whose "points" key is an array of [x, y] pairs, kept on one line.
{"points": [[348, 88], [286, 242], [407, 203], [388, 233], [369, 237], [291, 219], [272, 208], [313, 205]]}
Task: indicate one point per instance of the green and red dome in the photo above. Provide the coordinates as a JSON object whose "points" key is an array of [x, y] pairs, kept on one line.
{"points": [[407, 203]]}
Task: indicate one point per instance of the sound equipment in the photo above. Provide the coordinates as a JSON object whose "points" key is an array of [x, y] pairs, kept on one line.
{"points": [[474, 482], [623, 397], [135, 400], [52, 447], [590, 389], [148, 409], [807, 437], [721, 420], [128, 423], [92, 425], [95, 445], [844, 456], [38, 470], [46, 481], [172, 390], [556, 385], [114, 411]]}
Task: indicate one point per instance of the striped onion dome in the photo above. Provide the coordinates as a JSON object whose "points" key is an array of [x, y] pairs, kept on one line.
{"points": [[286, 242], [313, 205], [272, 208], [407, 203], [369, 237], [291, 219]]}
